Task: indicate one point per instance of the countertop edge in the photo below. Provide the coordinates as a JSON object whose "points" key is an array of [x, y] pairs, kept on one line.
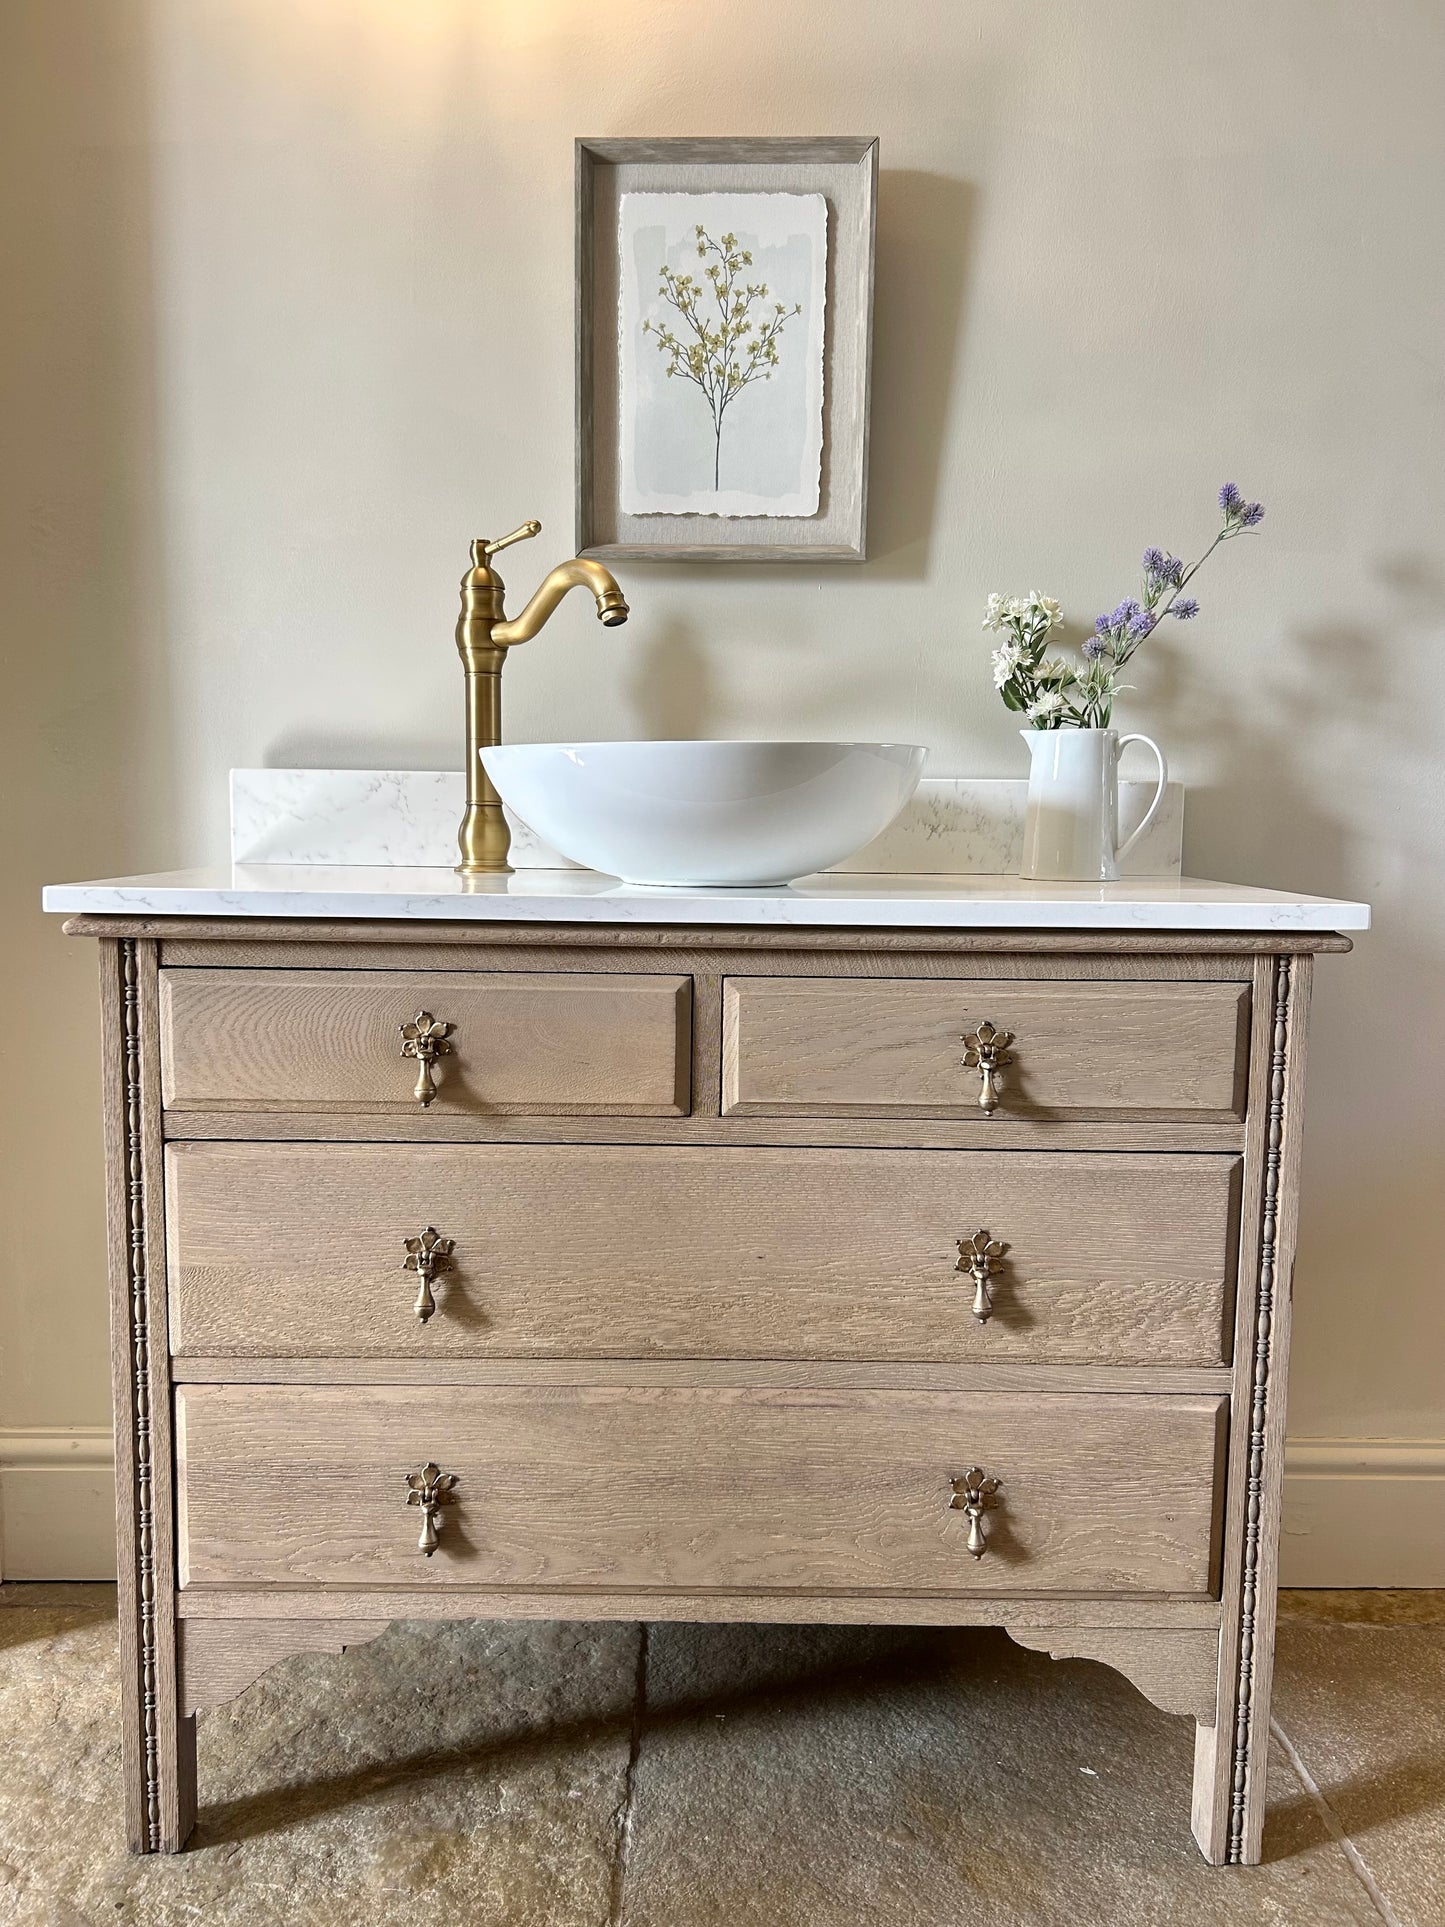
{"points": [[939, 905]]}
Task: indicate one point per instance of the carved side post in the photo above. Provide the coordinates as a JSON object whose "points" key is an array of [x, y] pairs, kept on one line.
{"points": [[159, 1743], [1230, 1755]]}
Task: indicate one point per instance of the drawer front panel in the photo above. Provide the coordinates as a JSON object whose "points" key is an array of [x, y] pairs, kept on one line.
{"points": [[808, 1047], [698, 1489], [520, 1044], [280, 1250]]}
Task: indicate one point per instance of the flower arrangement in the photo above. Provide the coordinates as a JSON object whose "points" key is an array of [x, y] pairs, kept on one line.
{"points": [[1057, 694]]}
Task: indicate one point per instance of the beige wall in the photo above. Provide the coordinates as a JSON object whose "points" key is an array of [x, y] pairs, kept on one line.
{"points": [[286, 319]]}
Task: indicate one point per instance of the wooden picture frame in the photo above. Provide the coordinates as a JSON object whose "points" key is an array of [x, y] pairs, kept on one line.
{"points": [[845, 171]]}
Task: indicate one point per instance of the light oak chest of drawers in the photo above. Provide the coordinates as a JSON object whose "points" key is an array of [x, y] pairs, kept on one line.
{"points": [[528, 1271]]}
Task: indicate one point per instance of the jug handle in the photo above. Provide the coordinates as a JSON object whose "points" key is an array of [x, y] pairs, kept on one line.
{"points": [[1153, 809]]}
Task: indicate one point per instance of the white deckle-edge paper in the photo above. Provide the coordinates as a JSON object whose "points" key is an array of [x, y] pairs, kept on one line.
{"points": [[770, 452]]}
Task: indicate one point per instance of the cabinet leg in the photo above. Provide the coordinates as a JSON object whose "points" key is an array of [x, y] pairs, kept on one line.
{"points": [[1229, 1795], [158, 1741], [1231, 1757], [159, 1749], [1210, 1814]]}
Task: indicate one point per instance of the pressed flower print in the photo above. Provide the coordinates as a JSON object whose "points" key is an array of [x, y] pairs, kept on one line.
{"points": [[721, 318]]}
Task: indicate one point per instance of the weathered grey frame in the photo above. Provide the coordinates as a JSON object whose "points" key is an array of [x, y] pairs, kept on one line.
{"points": [[846, 170]]}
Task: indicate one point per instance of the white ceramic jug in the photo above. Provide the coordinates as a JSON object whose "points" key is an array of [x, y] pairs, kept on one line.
{"points": [[1071, 829]]}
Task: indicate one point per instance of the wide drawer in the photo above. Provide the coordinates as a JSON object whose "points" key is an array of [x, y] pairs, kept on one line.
{"points": [[650, 1251], [813, 1047], [534, 1043], [698, 1489]]}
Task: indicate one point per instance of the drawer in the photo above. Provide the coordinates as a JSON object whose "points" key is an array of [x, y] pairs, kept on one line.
{"points": [[534, 1043], [654, 1251], [698, 1489], [810, 1047]]}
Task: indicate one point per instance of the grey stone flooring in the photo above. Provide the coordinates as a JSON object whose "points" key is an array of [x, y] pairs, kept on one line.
{"points": [[688, 1776]]}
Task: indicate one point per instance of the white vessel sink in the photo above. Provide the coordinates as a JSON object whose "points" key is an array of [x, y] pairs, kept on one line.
{"points": [[717, 814]]}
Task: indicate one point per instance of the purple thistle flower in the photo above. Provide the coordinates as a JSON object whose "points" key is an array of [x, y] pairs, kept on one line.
{"points": [[1173, 571], [1140, 626], [1230, 499], [1102, 625], [1154, 560], [1251, 515], [1095, 647], [1186, 608], [1124, 614]]}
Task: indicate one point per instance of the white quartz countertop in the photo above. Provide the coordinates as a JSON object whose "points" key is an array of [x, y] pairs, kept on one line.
{"points": [[858, 900]]}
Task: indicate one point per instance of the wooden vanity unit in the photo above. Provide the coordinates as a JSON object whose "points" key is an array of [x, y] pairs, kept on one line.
{"points": [[918, 1276]]}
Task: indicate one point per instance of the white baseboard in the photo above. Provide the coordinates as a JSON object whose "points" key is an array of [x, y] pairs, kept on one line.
{"points": [[57, 1504], [1357, 1512], [1363, 1512]]}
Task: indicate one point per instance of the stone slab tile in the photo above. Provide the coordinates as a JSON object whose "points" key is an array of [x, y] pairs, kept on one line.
{"points": [[446, 1773], [809, 1777], [474, 1773], [1364, 1707], [953, 825]]}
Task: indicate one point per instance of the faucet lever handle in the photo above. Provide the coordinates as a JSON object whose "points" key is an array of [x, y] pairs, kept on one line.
{"points": [[482, 548]]}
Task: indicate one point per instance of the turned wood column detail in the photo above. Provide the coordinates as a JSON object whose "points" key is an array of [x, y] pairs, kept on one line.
{"points": [[139, 1349], [159, 1742], [1259, 1551]]}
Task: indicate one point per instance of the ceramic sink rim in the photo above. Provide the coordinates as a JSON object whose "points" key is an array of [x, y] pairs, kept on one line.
{"points": [[709, 813]]}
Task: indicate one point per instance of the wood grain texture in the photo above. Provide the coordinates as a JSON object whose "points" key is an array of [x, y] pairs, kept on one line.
{"points": [[813, 1048], [248, 1604], [522, 1042], [873, 1132], [625, 1450], [1176, 1671], [157, 1739], [1231, 1758], [220, 1658], [698, 954], [845, 171], [637, 1252], [780, 1374], [340, 934], [732, 1490]]}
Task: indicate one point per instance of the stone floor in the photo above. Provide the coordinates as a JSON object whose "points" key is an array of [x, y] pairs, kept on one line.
{"points": [[687, 1776]]}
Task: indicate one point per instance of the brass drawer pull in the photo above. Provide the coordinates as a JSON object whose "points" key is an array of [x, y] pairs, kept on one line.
{"points": [[428, 1256], [979, 1256], [431, 1489], [986, 1050], [426, 1040], [972, 1495]]}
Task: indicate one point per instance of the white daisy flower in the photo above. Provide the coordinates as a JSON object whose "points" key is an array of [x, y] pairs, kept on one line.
{"points": [[1005, 661], [1047, 704]]}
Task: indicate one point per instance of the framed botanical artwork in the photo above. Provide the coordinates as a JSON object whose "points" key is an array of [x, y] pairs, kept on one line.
{"points": [[724, 335]]}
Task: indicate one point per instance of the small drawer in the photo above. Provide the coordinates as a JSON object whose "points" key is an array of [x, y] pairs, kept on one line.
{"points": [[810, 1047], [655, 1251], [539, 1044], [697, 1489]]}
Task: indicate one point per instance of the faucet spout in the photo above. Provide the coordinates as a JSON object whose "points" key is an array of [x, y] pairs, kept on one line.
{"points": [[576, 574]]}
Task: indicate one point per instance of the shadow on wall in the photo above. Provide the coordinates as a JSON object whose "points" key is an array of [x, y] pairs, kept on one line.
{"points": [[90, 783], [84, 602], [679, 690], [926, 226], [671, 683], [1369, 1323]]}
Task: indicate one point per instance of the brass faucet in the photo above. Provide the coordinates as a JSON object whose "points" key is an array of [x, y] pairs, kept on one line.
{"points": [[483, 638]]}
